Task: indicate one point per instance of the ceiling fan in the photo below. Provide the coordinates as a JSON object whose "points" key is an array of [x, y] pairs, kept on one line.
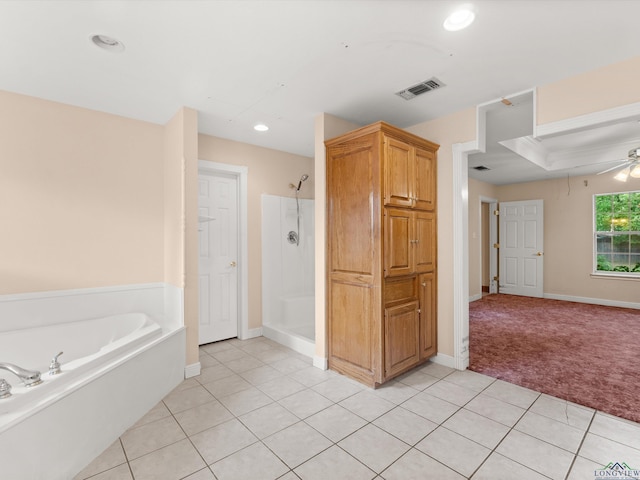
{"points": [[630, 166]]}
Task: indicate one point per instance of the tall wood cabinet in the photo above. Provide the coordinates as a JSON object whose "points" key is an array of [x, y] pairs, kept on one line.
{"points": [[381, 252]]}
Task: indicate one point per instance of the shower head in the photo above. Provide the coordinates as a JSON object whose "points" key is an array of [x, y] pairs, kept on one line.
{"points": [[302, 179]]}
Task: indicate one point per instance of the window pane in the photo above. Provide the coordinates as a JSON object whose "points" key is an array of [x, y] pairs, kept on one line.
{"points": [[634, 211], [617, 224], [634, 243], [620, 262], [604, 209], [604, 263], [620, 202], [621, 244], [621, 212], [603, 222], [603, 243]]}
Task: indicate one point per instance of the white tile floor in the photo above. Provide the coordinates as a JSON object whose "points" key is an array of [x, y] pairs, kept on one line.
{"points": [[259, 411]]}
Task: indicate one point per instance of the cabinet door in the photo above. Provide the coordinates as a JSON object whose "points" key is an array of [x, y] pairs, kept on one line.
{"points": [[425, 180], [401, 337], [428, 315], [398, 254], [399, 172], [424, 242]]}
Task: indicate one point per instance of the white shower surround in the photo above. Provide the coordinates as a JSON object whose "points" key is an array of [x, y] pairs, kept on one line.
{"points": [[288, 273]]}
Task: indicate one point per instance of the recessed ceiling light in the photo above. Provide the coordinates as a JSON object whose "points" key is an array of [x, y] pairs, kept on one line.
{"points": [[108, 43], [260, 127], [460, 18]]}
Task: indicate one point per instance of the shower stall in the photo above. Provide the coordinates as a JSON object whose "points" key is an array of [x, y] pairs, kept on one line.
{"points": [[288, 301]]}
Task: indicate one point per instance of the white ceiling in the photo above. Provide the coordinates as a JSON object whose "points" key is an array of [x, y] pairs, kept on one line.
{"points": [[284, 62]]}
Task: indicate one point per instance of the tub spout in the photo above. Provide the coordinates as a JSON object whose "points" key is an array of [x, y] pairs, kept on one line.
{"points": [[29, 377]]}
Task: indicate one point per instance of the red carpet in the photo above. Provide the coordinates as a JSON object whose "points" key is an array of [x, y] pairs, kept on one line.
{"points": [[587, 354]]}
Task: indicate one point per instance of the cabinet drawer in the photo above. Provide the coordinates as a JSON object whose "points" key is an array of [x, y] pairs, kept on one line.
{"points": [[400, 290]]}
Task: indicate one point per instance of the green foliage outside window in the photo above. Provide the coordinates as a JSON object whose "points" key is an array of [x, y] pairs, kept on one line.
{"points": [[617, 232]]}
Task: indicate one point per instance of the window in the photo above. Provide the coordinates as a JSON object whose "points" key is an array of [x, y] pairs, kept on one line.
{"points": [[617, 233]]}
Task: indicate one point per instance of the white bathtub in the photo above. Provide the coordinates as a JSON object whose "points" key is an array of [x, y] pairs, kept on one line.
{"points": [[89, 346], [114, 369]]}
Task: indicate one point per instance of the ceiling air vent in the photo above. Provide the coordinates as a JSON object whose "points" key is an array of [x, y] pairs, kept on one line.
{"points": [[481, 168], [422, 87]]}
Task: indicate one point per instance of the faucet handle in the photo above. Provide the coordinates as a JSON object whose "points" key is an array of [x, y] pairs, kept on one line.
{"points": [[54, 366], [5, 388]]}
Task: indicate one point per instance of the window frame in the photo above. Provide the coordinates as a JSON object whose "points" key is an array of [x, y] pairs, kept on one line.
{"points": [[608, 273]]}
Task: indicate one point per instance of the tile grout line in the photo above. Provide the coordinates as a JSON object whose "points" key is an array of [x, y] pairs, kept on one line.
{"points": [[511, 429], [445, 420], [584, 437], [126, 457]]}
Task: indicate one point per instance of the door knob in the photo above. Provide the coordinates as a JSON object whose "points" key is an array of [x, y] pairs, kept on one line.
{"points": [[232, 264], [539, 254]]}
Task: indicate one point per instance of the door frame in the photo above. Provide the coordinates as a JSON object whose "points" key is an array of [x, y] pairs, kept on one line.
{"points": [[241, 173], [493, 238], [460, 214]]}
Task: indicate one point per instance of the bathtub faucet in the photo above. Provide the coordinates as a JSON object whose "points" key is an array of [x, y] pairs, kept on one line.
{"points": [[29, 377]]}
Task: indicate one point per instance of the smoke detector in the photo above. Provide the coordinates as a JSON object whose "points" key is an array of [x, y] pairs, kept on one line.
{"points": [[420, 88]]}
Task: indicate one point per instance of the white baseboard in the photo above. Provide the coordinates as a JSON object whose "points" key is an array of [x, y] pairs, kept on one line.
{"points": [[473, 298], [592, 301], [446, 360], [320, 362], [192, 370], [250, 333], [292, 341]]}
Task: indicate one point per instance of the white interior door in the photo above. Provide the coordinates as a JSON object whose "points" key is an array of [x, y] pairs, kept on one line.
{"points": [[521, 248], [218, 256]]}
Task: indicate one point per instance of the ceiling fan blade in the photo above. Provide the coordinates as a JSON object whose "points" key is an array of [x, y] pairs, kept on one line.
{"points": [[617, 167]]}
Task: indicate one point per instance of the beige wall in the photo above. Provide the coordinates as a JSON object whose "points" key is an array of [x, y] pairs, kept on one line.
{"points": [[446, 131], [81, 197], [608, 87], [477, 189], [326, 127], [568, 235], [174, 202], [89, 199], [270, 172], [181, 217]]}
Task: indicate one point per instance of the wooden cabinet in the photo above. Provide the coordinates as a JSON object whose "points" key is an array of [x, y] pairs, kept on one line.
{"points": [[381, 252], [428, 314], [401, 337], [409, 242], [409, 173]]}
